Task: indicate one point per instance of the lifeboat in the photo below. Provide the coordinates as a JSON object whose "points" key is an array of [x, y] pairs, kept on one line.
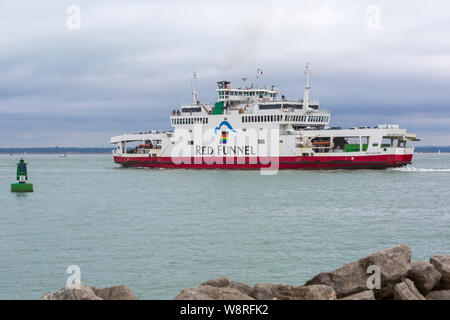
{"points": [[321, 143]]}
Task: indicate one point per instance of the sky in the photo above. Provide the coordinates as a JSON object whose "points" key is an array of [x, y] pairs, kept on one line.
{"points": [[75, 73]]}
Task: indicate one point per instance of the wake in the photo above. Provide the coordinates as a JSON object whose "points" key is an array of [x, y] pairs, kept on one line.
{"points": [[414, 169]]}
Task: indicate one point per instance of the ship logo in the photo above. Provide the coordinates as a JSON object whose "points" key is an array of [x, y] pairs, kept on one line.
{"points": [[226, 124], [224, 135]]}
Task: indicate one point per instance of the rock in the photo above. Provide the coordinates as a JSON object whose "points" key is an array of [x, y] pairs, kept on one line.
{"points": [[394, 264], [439, 295], [424, 275], [91, 293], [271, 291], [83, 293], [363, 295], [346, 280], [207, 292], [121, 292], [406, 290], [442, 264], [224, 282], [315, 292]]}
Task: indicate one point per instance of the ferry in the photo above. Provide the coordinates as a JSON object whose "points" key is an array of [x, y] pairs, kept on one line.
{"points": [[250, 127]]}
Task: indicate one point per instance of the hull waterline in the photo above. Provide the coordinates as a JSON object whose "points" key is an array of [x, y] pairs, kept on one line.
{"points": [[281, 163]]}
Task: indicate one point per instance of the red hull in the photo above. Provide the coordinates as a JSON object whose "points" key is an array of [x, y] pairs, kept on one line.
{"points": [[247, 163]]}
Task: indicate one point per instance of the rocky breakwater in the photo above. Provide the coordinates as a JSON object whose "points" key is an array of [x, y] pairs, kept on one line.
{"points": [[121, 292], [386, 274]]}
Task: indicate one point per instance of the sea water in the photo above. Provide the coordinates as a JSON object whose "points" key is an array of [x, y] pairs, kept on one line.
{"points": [[159, 231]]}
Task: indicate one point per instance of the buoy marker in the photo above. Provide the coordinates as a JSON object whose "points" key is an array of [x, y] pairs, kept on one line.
{"points": [[22, 177]]}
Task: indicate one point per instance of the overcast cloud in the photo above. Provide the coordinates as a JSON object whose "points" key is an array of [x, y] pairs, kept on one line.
{"points": [[131, 61]]}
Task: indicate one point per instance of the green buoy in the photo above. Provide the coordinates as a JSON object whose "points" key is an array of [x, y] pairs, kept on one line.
{"points": [[22, 176]]}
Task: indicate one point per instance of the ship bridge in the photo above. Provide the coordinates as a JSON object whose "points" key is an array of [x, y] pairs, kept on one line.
{"points": [[253, 104]]}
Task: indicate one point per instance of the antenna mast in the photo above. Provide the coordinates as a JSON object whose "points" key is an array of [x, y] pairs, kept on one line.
{"points": [[194, 89], [259, 73], [307, 87]]}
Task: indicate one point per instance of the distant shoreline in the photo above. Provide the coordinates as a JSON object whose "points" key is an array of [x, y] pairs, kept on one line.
{"points": [[56, 150]]}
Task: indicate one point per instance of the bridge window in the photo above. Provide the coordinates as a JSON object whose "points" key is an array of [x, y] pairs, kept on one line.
{"points": [[196, 109], [269, 106], [293, 106]]}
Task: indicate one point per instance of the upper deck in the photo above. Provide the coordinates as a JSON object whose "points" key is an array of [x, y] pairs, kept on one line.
{"points": [[254, 104]]}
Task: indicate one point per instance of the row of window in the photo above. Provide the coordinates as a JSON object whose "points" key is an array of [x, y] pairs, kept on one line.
{"points": [[194, 109], [246, 94], [278, 106], [189, 120], [318, 119], [261, 118], [290, 118]]}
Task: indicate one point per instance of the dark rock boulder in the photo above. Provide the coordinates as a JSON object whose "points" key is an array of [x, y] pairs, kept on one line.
{"points": [[346, 280], [394, 264], [83, 293], [424, 275], [315, 292], [442, 264], [439, 295], [224, 282], [121, 292], [272, 291], [363, 295], [91, 293], [207, 292], [406, 290]]}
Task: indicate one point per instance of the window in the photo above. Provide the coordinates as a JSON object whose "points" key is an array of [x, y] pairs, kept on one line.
{"points": [[269, 106], [293, 106], [195, 109]]}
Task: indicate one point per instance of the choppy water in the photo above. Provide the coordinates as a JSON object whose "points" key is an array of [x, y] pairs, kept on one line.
{"points": [[159, 231]]}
